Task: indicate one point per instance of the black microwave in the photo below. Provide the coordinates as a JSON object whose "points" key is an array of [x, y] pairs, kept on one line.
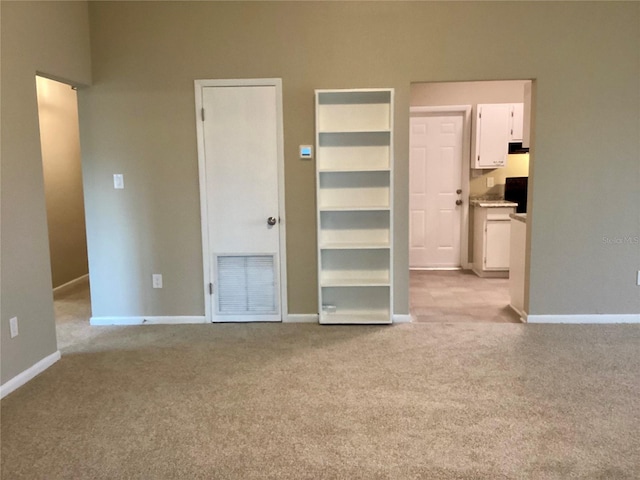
{"points": [[515, 190]]}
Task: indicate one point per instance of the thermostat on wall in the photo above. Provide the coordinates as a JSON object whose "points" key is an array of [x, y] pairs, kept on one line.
{"points": [[306, 152]]}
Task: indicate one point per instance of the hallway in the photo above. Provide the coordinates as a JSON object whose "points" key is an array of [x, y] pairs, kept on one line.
{"points": [[72, 312]]}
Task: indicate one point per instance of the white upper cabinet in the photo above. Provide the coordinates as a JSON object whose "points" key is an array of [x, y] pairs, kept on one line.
{"points": [[517, 122], [496, 125], [493, 123]]}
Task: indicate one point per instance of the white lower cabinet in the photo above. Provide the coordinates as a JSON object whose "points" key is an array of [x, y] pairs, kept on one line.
{"points": [[491, 241], [497, 234], [354, 186]]}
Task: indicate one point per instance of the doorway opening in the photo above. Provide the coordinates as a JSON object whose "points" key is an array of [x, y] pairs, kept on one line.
{"points": [[467, 141], [64, 197]]}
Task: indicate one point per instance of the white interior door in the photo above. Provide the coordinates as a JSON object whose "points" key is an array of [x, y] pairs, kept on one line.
{"points": [[240, 138], [435, 186]]}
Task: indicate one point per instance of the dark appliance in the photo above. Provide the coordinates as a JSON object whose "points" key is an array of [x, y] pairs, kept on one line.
{"points": [[515, 190], [516, 147]]}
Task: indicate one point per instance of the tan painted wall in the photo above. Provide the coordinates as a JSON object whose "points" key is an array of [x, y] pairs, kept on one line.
{"points": [[467, 93], [138, 119], [50, 37], [60, 143]]}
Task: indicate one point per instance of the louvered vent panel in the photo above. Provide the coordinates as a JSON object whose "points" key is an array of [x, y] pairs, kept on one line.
{"points": [[246, 284]]}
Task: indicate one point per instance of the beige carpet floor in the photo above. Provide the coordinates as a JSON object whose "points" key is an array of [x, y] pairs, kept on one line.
{"points": [[413, 401]]}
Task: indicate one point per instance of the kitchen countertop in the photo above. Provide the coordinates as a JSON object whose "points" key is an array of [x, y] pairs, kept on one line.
{"points": [[491, 203], [520, 217]]}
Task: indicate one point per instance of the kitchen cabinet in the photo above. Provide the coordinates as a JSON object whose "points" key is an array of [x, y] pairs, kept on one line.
{"points": [[496, 124], [491, 239], [354, 196], [516, 121], [526, 113]]}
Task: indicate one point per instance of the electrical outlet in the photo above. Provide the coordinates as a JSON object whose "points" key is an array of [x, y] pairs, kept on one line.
{"points": [[490, 182], [13, 326], [118, 181], [157, 280]]}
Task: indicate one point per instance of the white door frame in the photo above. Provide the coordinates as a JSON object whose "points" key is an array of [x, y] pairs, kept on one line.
{"points": [[208, 273], [466, 159]]}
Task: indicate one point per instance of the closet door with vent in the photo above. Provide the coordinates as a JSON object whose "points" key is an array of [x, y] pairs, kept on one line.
{"points": [[240, 133]]}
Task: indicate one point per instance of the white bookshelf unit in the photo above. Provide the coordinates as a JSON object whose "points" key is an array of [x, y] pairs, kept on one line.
{"points": [[354, 188]]}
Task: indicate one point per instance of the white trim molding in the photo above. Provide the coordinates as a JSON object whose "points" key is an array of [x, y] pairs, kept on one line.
{"points": [[522, 314], [30, 373], [402, 318], [585, 319], [178, 320], [301, 318], [67, 286]]}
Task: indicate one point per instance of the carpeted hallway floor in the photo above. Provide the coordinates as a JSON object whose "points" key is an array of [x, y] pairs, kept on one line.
{"points": [[285, 401]]}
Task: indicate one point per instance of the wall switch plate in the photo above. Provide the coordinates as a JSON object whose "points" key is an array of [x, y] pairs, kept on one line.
{"points": [[490, 182], [13, 326], [638, 279], [306, 152], [157, 280], [118, 181]]}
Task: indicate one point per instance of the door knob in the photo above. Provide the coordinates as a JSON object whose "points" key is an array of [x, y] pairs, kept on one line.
{"points": [[458, 191], [458, 202], [271, 220]]}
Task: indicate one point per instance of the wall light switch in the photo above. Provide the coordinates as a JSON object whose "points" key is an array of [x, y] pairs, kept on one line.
{"points": [[118, 181], [638, 279], [157, 280], [490, 182], [13, 326]]}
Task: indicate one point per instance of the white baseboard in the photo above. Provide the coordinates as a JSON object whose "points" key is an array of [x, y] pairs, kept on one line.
{"points": [[578, 319], [69, 285], [28, 374], [490, 273], [435, 269], [178, 320], [313, 318], [301, 318], [402, 318], [521, 313]]}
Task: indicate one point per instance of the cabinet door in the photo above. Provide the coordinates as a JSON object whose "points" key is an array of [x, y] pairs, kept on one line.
{"points": [[492, 135], [517, 122], [496, 245]]}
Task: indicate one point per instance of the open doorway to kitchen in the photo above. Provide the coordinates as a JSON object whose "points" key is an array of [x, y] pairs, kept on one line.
{"points": [[468, 154], [62, 170]]}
